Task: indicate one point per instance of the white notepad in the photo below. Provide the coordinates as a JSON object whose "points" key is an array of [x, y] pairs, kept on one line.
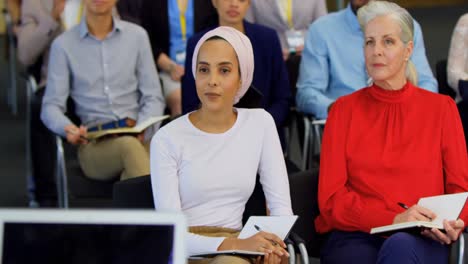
{"points": [[278, 225], [446, 207]]}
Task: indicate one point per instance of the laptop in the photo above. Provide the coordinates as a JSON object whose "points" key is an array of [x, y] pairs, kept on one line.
{"points": [[91, 236]]}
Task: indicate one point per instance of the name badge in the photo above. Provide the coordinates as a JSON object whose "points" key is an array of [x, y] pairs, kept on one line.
{"points": [[295, 39], [180, 57]]}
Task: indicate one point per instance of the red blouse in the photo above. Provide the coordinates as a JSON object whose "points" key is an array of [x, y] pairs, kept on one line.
{"points": [[382, 147]]}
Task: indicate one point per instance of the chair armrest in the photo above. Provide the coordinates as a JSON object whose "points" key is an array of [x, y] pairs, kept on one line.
{"points": [[300, 244], [291, 250], [61, 174]]}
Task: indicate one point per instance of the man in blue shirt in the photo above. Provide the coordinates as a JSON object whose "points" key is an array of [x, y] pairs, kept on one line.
{"points": [[106, 66], [333, 61]]}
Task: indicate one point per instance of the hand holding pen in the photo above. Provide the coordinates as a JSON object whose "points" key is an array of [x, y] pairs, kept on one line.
{"points": [[76, 135], [414, 213], [260, 242]]}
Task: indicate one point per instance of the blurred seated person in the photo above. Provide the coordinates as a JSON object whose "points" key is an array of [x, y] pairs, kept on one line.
{"points": [[42, 21], [457, 68], [105, 65], [387, 143], [170, 23], [333, 65], [205, 163], [14, 9], [270, 76], [290, 19]]}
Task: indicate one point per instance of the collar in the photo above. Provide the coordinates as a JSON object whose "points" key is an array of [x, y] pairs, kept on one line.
{"points": [[396, 96], [351, 19], [84, 32]]}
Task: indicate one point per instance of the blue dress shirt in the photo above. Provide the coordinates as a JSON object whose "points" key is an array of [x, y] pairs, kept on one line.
{"points": [[270, 75], [333, 62], [107, 79]]}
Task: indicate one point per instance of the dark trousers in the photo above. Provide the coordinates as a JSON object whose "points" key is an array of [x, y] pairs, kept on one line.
{"points": [[359, 247], [42, 153]]}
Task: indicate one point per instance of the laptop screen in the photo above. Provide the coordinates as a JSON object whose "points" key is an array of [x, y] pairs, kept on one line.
{"points": [[56, 241]]}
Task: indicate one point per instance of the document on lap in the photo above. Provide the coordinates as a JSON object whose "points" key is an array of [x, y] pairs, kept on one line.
{"points": [[278, 225], [446, 207], [127, 130]]}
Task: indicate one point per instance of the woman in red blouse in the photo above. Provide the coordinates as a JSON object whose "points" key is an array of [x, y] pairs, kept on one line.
{"points": [[388, 143]]}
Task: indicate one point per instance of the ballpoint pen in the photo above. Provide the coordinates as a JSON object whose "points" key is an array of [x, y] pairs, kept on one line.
{"points": [[259, 230], [403, 205]]}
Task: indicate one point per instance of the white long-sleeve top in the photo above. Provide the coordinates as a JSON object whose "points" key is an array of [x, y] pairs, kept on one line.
{"points": [[210, 177]]}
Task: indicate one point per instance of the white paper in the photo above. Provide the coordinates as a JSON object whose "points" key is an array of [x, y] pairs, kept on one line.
{"points": [[278, 225], [446, 206]]}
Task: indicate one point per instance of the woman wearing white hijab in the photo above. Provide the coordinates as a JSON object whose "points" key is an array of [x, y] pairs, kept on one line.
{"points": [[205, 163]]}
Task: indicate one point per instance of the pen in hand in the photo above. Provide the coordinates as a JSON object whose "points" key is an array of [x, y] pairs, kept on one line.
{"points": [[74, 132], [259, 230], [407, 207], [403, 205]]}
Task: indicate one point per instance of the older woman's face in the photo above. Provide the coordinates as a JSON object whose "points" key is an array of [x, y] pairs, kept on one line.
{"points": [[386, 55], [217, 77], [231, 11]]}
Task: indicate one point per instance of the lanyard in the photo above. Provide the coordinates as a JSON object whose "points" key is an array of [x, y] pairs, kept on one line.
{"points": [[80, 12], [289, 13], [182, 18], [78, 18]]}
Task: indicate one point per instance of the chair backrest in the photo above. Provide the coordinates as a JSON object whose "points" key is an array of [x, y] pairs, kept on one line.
{"points": [[441, 76], [133, 193], [252, 99], [304, 190]]}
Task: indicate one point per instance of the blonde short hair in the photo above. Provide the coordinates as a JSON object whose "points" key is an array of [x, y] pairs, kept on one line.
{"points": [[375, 9]]}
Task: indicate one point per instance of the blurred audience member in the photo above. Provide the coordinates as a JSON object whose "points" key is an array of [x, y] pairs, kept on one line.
{"points": [[170, 23], [105, 65], [457, 68], [289, 18], [333, 65]]}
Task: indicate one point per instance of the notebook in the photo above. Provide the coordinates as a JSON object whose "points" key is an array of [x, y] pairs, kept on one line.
{"points": [[91, 236], [448, 206], [278, 225]]}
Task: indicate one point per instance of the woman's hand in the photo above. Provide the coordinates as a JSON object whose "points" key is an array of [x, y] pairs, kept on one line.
{"points": [[414, 213], [176, 72], [268, 243], [452, 231], [271, 259]]}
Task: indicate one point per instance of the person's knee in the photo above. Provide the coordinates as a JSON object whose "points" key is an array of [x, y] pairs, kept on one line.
{"points": [[129, 145], [230, 260], [401, 245]]}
